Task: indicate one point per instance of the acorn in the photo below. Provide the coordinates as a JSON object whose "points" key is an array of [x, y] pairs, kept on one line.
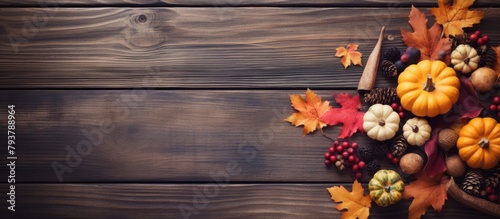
{"points": [[456, 167], [483, 79], [447, 139]]}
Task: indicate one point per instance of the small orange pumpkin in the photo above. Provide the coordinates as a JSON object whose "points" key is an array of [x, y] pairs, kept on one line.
{"points": [[479, 143], [428, 88]]}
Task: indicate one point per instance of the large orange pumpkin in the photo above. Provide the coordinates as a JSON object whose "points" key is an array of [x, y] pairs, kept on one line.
{"points": [[428, 88]]}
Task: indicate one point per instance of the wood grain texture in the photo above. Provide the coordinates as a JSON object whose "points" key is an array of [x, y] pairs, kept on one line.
{"points": [[205, 200], [194, 47], [166, 136], [232, 3]]}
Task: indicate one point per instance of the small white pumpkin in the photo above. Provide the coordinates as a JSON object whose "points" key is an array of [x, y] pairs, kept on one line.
{"points": [[465, 59], [417, 131], [380, 122]]}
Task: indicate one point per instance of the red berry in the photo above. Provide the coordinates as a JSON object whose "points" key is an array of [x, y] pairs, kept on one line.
{"points": [[340, 148], [493, 198], [347, 163], [333, 159], [351, 158], [480, 41], [335, 143], [357, 160], [394, 106], [473, 37], [354, 145], [361, 164], [389, 156], [486, 39], [358, 175], [355, 168], [498, 114], [327, 163], [350, 150], [489, 190], [327, 155], [345, 144], [401, 114], [405, 58], [477, 33], [345, 154], [400, 109], [498, 107], [496, 99], [331, 150], [493, 107], [395, 160]]}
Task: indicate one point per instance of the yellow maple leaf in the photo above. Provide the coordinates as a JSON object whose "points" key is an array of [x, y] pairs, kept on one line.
{"points": [[456, 16], [357, 205], [310, 111], [349, 55]]}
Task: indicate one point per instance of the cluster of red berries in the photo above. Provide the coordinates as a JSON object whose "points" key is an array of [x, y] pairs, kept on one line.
{"points": [[479, 38], [495, 106], [392, 158], [399, 109], [343, 155], [489, 193]]}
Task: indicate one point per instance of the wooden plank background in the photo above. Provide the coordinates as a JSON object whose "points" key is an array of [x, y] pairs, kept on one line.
{"points": [[175, 97]]}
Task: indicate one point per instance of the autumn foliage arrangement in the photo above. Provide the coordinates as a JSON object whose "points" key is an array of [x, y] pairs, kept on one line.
{"points": [[442, 139]]}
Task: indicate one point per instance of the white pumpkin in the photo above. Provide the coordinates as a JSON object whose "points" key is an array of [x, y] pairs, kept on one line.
{"points": [[380, 122], [417, 131], [465, 59]]}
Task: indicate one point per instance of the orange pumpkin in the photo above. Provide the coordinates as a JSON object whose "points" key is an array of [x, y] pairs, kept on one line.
{"points": [[428, 88], [479, 143]]}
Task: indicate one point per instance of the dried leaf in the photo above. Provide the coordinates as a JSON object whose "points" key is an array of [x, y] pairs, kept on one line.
{"points": [[348, 115], [428, 41], [456, 16], [310, 111], [426, 192], [349, 55], [357, 205]]}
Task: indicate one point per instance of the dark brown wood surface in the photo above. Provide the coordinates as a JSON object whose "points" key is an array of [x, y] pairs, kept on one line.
{"points": [[195, 47], [201, 201], [174, 98]]}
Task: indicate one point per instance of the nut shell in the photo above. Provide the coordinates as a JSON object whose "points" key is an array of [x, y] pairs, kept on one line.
{"points": [[456, 167], [483, 79], [447, 139], [411, 163]]}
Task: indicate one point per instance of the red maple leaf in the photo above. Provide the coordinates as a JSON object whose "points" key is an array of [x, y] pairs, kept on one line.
{"points": [[349, 115]]}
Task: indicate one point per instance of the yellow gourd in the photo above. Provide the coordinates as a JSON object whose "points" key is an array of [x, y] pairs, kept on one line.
{"points": [[428, 88], [386, 187]]}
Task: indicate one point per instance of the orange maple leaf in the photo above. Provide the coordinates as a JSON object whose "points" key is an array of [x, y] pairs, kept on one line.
{"points": [[426, 192], [349, 55], [428, 41], [357, 205], [457, 16], [309, 111]]}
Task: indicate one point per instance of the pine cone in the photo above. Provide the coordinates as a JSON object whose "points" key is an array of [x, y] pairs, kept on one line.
{"points": [[389, 69], [365, 154], [379, 149], [492, 177], [373, 166], [399, 146], [382, 95], [473, 182], [488, 56], [392, 54]]}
